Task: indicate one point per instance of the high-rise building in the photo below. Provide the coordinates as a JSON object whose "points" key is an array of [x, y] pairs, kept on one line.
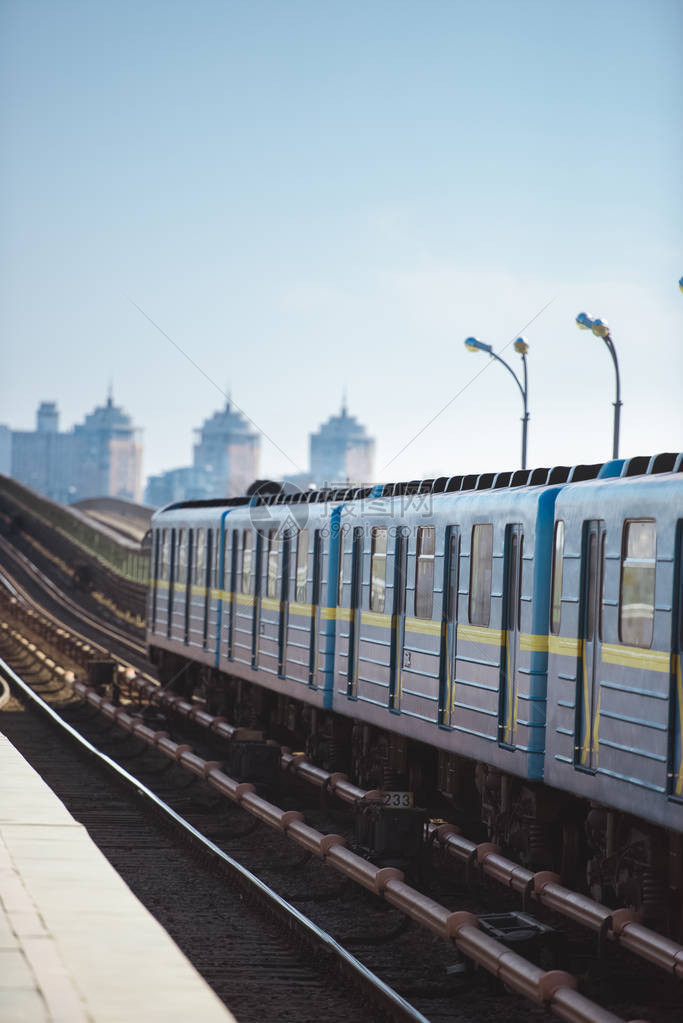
{"points": [[342, 452], [5, 450], [225, 462], [109, 453], [43, 458], [227, 451], [102, 457], [47, 417]]}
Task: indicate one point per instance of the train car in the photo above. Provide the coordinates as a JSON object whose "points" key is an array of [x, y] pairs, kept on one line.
{"points": [[184, 597], [615, 706], [274, 630], [439, 604], [451, 637]]}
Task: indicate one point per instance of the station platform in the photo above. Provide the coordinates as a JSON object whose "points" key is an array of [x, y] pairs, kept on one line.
{"points": [[75, 943]]}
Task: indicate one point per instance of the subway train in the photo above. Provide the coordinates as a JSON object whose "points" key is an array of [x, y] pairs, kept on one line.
{"points": [[510, 641]]}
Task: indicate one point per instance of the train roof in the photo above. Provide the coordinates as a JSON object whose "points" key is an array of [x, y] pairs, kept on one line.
{"points": [[638, 465]]}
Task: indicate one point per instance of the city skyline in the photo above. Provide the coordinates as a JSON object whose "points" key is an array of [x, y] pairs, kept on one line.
{"points": [[226, 454], [302, 201]]}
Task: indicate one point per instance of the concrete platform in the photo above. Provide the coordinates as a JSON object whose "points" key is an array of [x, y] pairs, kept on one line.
{"points": [[75, 943]]}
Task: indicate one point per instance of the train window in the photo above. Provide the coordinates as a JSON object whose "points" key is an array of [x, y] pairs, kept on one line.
{"points": [[342, 541], [271, 564], [424, 574], [357, 568], [234, 560], [515, 563], [301, 566], [199, 557], [451, 602], [637, 590], [521, 582], [603, 540], [207, 585], [317, 565], [165, 572], [556, 586], [378, 568], [173, 558], [481, 569], [181, 558], [227, 582], [246, 561], [591, 570]]}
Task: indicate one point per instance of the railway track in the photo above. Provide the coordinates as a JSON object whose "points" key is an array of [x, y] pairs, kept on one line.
{"points": [[22, 577], [437, 979], [263, 957], [441, 964], [620, 926]]}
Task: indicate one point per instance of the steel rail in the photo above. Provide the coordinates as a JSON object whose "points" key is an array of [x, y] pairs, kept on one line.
{"points": [[555, 988], [386, 994], [20, 592], [58, 595], [619, 925]]}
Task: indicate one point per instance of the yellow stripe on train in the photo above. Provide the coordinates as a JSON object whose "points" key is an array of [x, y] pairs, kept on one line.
{"points": [[566, 646], [480, 634], [635, 657]]}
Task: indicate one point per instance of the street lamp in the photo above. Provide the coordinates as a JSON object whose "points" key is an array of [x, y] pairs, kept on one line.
{"points": [[601, 329], [473, 344]]}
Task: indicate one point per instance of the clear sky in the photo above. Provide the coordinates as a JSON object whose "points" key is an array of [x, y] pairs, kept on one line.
{"points": [[313, 196]]}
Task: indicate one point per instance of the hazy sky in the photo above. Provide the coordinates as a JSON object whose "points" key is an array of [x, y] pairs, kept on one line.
{"points": [[308, 196]]}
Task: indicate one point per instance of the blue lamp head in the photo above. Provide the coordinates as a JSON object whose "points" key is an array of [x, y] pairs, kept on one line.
{"points": [[584, 321], [680, 284], [473, 344], [600, 328]]}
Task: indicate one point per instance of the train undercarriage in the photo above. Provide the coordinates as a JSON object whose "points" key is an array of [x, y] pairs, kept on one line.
{"points": [[618, 859]]}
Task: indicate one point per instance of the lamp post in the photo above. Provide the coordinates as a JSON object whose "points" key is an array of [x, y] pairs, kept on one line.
{"points": [[473, 344], [601, 329]]}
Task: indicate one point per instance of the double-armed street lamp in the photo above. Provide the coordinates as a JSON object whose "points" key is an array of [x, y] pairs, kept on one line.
{"points": [[473, 344], [601, 329]]}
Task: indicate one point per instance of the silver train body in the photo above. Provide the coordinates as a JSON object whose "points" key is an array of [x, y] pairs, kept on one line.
{"points": [[533, 628]]}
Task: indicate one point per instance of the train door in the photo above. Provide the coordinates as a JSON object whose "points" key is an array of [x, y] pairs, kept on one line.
{"points": [[354, 624], [188, 582], [676, 728], [234, 555], [155, 578], [207, 581], [315, 610], [398, 621], [171, 584], [449, 623], [178, 588], [512, 593], [256, 621], [284, 608], [590, 653]]}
